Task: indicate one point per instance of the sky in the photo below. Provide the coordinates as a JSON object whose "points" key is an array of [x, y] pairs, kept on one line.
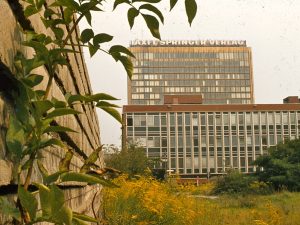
{"points": [[270, 27]]}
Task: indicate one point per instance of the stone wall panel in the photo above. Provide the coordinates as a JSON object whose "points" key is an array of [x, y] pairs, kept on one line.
{"points": [[72, 79]]}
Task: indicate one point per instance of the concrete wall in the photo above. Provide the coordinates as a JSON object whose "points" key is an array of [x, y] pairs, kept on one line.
{"points": [[73, 79]]}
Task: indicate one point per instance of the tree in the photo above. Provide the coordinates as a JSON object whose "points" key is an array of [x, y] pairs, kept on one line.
{"points": [[131, 160], [281, 167]]}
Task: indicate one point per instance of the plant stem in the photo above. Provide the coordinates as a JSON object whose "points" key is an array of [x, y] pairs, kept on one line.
{"points": [[24, 214], [71, 31], [49, 84], [29, 173]]}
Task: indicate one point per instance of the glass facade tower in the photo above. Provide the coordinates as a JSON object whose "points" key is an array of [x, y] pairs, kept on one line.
{"points": [[219, 71]]}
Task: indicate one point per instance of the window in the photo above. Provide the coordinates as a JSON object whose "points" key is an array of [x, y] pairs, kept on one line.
{"points": [[129, 122]]}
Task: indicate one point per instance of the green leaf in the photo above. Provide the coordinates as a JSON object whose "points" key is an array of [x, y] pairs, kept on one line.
{"points": [[49, 12], [45, 197], [45, 123], [59, 32], [127, 65], [106, 104], [113, 112], [118, 2], [58, 129], [150, 1], [56, 198], [62, 112], [63, 215], [53, 177], [78, 221], [90, 160], [172, 4], [64, 164], [67, 3], [101, 38], [88, 17], [152, 24], [59, 104], [102, 96], [28, 201], [7, 208], [89, 6], [30, 10], [42, 169], [37, 46], [78, 98], [42, 106], [191, 10], [120, 49], [40, 93], [31, 64], [68, 15], [87, 35], [84, 217], [154, 10], [15, 137], [81, 177], [33, 80], [93, 49], [52, 142], [131, 14], [40, 3], [60, 213]]}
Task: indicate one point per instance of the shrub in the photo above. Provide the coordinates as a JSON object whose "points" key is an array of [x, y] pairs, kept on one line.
{"points": [[281, 167], [237, 183]]}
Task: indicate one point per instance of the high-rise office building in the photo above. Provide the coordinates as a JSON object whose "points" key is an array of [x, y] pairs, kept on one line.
{"points": [[219, 71], [191, 103]]}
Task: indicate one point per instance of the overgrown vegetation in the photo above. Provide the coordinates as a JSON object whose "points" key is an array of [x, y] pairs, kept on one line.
{"points": [[235, 182], [132, 160], [33, 125], [281, 167], [147, 201]]}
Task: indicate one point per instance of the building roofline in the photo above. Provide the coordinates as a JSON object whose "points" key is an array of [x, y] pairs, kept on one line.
{"points": [[189, 43], [211, 108]]}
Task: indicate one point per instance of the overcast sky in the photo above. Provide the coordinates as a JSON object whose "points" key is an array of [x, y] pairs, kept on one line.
{"points": [[270, 27]]}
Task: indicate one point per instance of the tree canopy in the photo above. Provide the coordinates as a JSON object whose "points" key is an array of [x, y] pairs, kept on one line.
{"points": [[282, 166]]}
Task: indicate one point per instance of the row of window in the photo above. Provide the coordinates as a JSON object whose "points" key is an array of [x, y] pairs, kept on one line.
{"points": [[200, 55], [188, 77], [194, 63], [205, 95], [189, 89], [216, 119], [209, 82], [145, 70]]}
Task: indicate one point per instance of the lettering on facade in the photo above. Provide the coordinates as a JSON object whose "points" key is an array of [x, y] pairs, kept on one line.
{"points": [[188, 43]]}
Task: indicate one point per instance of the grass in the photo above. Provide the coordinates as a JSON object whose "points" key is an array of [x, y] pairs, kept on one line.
{"points": [[146, 201], [276, 209]]}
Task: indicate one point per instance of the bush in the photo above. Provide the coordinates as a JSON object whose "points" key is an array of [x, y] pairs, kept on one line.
{"points": [[235, 182], [281, 167]]}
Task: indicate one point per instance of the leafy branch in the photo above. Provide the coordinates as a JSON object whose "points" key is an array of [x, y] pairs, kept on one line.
{"points": [[32, 126]]}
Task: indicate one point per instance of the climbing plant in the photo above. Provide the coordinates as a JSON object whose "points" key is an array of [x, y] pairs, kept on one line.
{"points": [[33, 125]]}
